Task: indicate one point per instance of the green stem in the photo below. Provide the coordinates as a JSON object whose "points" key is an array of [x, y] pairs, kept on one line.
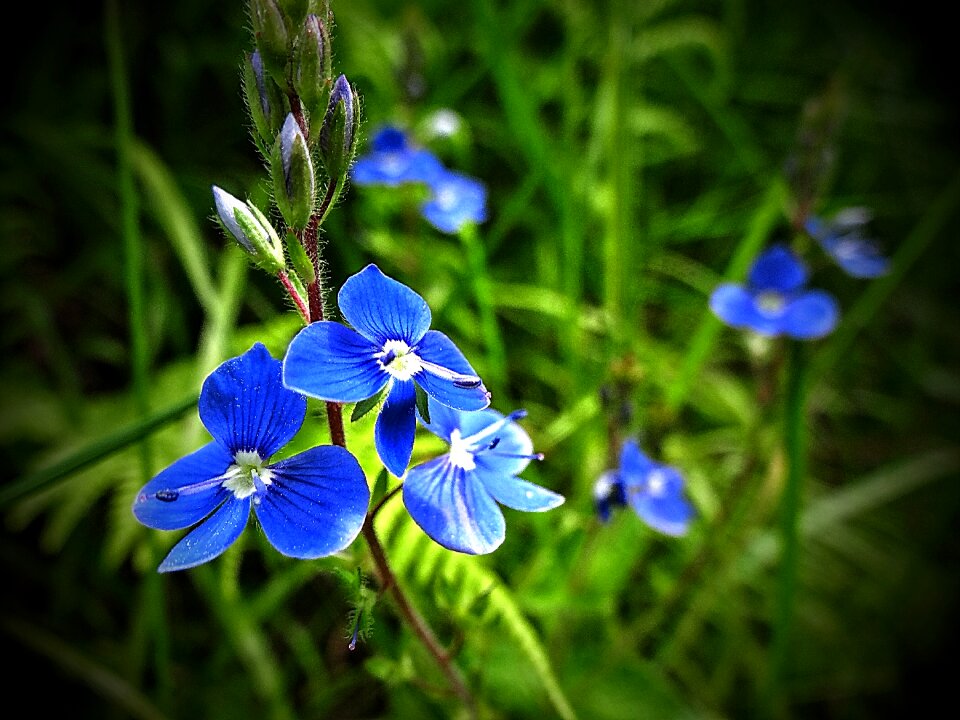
{"points": [[483, 293], [795, 440]]}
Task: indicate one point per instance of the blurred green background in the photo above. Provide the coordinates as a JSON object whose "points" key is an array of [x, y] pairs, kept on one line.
{"points": [[635, 153]]}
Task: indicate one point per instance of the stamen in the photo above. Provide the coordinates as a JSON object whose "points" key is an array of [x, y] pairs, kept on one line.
{"points": [[518, 456], [494, 427], [466, 382], [356, 631]]}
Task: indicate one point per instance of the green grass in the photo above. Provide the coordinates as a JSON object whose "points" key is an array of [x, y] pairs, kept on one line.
{"points": [[635, 154]]}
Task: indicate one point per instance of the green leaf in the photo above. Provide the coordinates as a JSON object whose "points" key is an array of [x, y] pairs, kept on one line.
{"points": [[365, 406], [423, 404]]}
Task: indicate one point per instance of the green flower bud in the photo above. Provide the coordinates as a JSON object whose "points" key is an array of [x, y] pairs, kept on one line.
{"points": [[251, 229], [294, 10], [292, 171], [265, 100], [299, 259], [311, 56], [338, 134], [271, 35]]}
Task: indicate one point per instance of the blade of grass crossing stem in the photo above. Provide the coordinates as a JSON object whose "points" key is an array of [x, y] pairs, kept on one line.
{"points": [[133, 253], [175, 217], [483, 294], [763, 223], [795, 441], [521, 115]]}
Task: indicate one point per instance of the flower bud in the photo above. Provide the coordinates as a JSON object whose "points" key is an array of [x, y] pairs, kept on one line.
{"points": [[299, 259], [292, 171], [294, 9], [270, 33], [311, 55], [264, 98], [338, 134], [251, 229]]}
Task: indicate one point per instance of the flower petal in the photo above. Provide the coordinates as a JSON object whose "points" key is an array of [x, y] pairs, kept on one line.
{"points": [[457, 199], [396, 426], [519, 494], [447, 388], [777, 268], [182, 509], [608, 493], [209, 539], [634, 463], [811, 315], [329, 361], [669, 514], [452, 508], [858, 256], [316, 503], [737, 307], [245, 406], [443, 420], [382, 309], [513, 449]]}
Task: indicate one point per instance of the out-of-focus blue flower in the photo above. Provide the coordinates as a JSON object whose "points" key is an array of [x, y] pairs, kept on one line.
{"points": [[654, 491], [775, 300], [309, 505], [842, 239], [455, 200], [454, 498], [391, 350], [394, 160]]}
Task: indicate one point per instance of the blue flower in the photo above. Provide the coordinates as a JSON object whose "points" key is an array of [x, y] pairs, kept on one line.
{"points": [[775, 300], [455, 200], [654, 491], [393, 160], [391, 350], [454, 498], [309, 505], [843, 240]]}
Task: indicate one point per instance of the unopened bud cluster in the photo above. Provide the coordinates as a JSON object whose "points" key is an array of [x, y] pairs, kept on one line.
{"points": [[304, 123]]}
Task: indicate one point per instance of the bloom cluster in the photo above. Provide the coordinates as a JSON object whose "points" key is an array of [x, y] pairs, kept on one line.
{"points": [[775, 300], [455, 199], [313, 504]]}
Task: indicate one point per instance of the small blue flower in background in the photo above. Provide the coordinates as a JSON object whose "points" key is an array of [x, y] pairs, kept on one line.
{"points": [[775, 300], [390, 351], [393, 160], [843, 240], [654, 491], [455, 200], [454, 498], [309, 505]]}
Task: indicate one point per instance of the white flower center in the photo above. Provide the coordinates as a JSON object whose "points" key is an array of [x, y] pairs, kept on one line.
{"points": [[461, 451], [656, 483], [398, 360], [247, 475], [770, 302], [394, 164], [446, 198]]}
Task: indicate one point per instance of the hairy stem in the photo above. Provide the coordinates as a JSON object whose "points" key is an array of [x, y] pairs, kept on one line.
{"points": [[294, 295], [388, 581]]}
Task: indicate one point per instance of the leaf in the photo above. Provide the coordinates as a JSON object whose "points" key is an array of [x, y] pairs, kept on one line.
{"points": [[365, 406]]}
